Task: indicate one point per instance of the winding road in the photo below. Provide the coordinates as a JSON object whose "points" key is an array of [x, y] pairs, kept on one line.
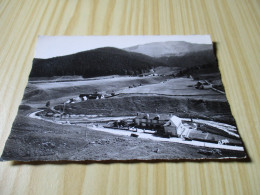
{"points": [[141, 134]]}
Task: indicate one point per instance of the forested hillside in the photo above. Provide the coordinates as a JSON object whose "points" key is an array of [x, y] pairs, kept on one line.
{"points": [[113, 61], [98, 62]]}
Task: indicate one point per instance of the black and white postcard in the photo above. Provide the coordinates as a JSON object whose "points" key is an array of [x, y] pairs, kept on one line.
{"points": [[124, 98]]}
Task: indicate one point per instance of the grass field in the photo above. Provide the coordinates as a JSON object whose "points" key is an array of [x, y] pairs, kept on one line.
{"points": [[34, 139], [42, 140], [173, 87], [59, 92], [162, 94]]}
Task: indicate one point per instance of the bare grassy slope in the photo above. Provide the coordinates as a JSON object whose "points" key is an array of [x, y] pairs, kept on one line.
{"points": [[176, 86], [61, 91], [130, 105], [62, 142]]}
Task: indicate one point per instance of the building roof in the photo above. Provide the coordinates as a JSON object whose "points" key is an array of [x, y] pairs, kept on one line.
{"points": [[153, 116], [175, 120]]}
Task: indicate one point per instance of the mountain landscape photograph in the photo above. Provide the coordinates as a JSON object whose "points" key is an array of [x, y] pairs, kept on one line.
{"points": [[120, 98]]}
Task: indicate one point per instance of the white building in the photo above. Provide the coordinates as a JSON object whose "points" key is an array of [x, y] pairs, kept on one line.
{"points": [[174, 126]]}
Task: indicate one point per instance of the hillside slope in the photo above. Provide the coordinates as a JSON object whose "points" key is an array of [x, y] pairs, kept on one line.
{"points": [[169, 48], [178, 53], [111, 61], [97, 62]]}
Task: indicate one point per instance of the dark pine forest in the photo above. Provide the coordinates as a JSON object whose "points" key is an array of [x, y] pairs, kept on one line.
{"points": [[110, 61]]}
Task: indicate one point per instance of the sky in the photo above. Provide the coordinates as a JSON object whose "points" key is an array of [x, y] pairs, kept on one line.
{"points": [[52, 46]]}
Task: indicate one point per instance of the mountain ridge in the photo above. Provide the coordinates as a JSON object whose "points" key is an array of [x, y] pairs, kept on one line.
{"points": [[169, 48], [109, 61], [97, 62]]}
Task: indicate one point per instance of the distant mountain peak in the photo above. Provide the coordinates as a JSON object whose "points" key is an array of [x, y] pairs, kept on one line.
{"points": [[169, 48]]}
